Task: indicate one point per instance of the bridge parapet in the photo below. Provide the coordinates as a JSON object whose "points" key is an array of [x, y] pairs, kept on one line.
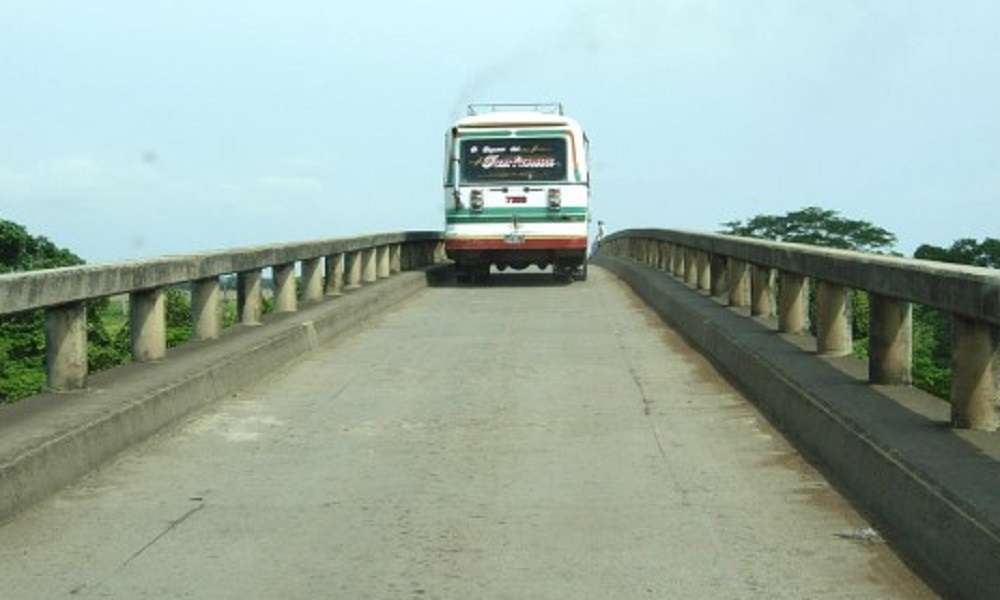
{"points": [[772, 277], [328, 268]]}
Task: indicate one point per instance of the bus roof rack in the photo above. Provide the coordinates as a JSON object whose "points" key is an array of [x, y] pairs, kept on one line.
{"points": [[549, 108]]}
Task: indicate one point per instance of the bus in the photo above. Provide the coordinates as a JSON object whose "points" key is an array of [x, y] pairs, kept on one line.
{"points": [[516, 191]]}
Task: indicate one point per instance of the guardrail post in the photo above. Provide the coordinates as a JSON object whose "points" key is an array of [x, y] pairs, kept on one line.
{"points": [[440, 254], [284, 288], [974, 363], [665, 252], [353, 269], [739, 286], [395, 258], [248, 299], [206, 308], [793, 303], [890, 341], [717, 271], [148, 324], [312, 280], [654, 253], [66, 346], [833, 319], [369, 271], [334, 275], [761, 291], [677, 261], [704, 271], [690, 267], [382, 262]]}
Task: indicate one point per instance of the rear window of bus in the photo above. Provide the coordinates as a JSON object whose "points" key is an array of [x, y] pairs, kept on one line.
{"points": [[513, 159]]}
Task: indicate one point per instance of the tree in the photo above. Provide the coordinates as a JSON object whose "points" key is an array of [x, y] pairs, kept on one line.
{"points": [[818, 227], [22, 336], [965, 251]]}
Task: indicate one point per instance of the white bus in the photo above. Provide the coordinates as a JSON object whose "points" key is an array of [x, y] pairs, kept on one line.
{"points": [[517, 191]]}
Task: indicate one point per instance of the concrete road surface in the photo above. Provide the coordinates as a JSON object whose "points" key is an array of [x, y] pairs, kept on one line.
{"points": [[519, 440]]}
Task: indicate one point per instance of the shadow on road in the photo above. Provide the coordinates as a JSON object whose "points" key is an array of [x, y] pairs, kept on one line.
{"points": [[527, 278]]}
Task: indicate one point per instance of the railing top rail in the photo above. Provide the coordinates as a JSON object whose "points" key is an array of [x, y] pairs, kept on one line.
{"points": [[973, 292], [37, 289]]}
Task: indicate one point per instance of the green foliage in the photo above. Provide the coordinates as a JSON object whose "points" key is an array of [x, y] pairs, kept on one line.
{"points": [[22, 336], [21, 251], [106, 346], [932, 351], [22, 355], [816, 226], [966, 251], [178, 309]]}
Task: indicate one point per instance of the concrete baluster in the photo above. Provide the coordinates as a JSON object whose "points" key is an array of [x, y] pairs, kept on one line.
{"points": [[761, 291], [369, 270], [677, 261], [312, 280], [334, 284], [148, 325], [440, 252], [395, 258], [793, 303], [833, 319], [704, 267], [382, 270], [665, 252], [739, 283], [353, 269], [690, 267], [718, 286], [975, 362], [284, 288], [66, 346], [890, 341], [206, 308], [249, 304]]}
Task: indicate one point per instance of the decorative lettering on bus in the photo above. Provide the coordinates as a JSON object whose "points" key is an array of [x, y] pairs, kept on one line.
{"points": [[525, 159]]}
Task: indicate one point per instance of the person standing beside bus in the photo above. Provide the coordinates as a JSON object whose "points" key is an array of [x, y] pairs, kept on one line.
{"points": [[601, 232]]}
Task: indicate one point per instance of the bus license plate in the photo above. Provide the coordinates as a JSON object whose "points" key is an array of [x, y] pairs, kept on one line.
{"points": [[514, 238]]}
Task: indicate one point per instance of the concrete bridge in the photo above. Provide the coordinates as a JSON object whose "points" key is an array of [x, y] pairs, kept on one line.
{"points": [[668, 428]]}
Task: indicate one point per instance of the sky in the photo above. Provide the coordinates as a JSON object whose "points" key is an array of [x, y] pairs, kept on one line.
{"points": [[134, 129]]}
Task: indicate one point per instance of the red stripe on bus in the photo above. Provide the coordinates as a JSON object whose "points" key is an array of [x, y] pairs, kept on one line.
{"points": [[573, 243]]}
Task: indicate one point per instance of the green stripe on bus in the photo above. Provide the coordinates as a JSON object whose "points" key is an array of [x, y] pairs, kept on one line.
{"points": [[500, 219], [486, 134], [520, 211]]}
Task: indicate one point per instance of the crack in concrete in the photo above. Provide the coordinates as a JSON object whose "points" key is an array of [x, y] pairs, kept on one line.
{"points": [[170, 527]]}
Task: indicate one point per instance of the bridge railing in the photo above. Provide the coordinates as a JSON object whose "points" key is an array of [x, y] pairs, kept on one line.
{"points": [[772, 277], [328, 267]]}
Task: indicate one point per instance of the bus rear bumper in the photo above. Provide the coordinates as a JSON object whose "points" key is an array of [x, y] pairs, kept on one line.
{"points": [[540, 252]]}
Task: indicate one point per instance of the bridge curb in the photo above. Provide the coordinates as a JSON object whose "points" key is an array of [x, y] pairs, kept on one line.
{"points": [[931, 492], [74, 433]]}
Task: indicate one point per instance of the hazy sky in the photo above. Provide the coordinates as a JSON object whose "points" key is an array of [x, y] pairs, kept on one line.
{"points": [[139, 128]]}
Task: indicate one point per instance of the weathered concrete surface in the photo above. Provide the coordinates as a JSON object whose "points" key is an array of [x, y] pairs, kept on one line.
{"points": [[931, 489], [510, 441], [970, 291], [49, 440], [38, 289]]}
